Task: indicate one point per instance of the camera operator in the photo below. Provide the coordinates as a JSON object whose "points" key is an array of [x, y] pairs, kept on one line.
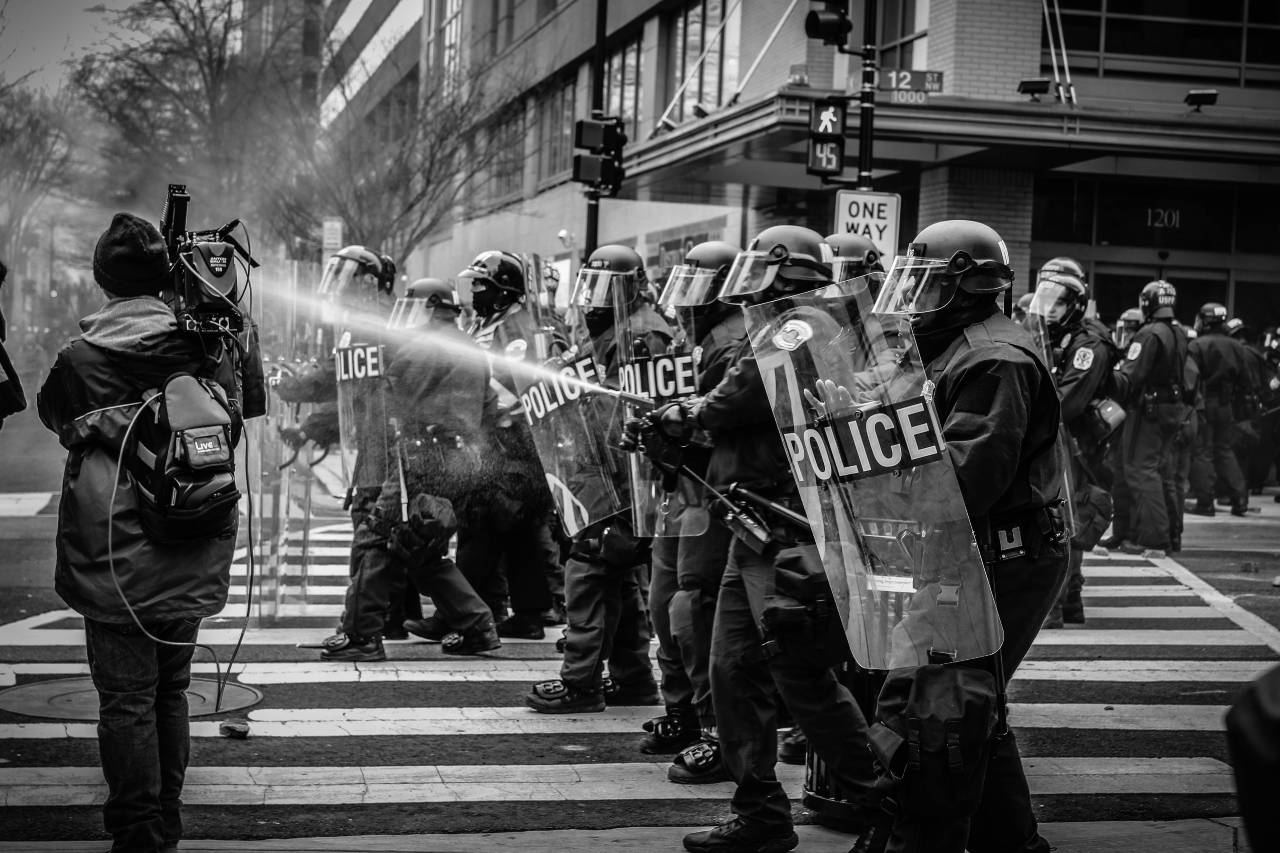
{"points": [[142, 600]]}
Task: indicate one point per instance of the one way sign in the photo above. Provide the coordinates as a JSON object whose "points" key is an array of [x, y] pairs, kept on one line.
{"points": [[874, 216]]}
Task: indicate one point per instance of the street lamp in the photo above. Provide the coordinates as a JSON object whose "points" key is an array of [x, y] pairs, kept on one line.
{"points": [[1197, 98], [1035, 87]]}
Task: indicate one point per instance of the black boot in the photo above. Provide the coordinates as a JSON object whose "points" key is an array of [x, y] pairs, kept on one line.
{"points": [[738, 836], [671, 732]]}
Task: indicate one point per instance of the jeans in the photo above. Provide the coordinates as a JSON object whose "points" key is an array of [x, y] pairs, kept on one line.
{"points": [[143, 728]]}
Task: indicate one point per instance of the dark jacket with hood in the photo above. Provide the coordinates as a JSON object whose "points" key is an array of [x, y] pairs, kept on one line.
{"points": [[91, 395]]}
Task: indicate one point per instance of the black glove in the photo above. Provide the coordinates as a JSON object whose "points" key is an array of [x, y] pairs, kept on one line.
{"points": [[674, 421], [632, 428], [322, 428]]}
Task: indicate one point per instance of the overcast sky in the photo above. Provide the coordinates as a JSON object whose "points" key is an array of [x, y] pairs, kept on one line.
{"points": [[39, 35]]}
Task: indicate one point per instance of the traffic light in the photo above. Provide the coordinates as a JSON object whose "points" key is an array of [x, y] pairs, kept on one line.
{"points": [[826, 138], [601, 166], [832, 24]]}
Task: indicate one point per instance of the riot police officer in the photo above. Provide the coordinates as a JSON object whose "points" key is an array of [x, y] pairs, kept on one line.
{"points": [[1000, 417], [855, 256], [1226, 380], [1126, 327], [686, 570], [358, 289], [784, 259], [1151, 384], [1081, 358], [514, 532], [606, 615], [436, 399]]}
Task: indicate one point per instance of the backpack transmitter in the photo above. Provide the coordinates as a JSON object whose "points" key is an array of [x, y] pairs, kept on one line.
{"points": [[183, 463]]}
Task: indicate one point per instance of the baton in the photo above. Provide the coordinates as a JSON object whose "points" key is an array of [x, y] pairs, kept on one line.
{"points": [[761, 502], [633, 399]]}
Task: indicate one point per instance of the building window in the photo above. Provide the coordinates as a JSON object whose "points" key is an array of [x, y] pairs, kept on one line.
{"points": [[444, 48], [546, 7], [556, 114], [504, 25], [701, 26], [904, 34], [391, 119], [508, 159], [622, 86], [1226, 41]]}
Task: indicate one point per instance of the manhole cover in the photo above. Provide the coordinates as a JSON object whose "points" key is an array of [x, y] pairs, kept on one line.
{"points": [[76, 698]]}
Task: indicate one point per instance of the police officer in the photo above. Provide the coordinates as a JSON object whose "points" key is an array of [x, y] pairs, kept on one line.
{"points": [[601, 577], [1150, 383], [358, 286], [855, 256], [1126, 327], [1000, 416], [1227, 380], [514, 532], [1082, 358], [686, 570], [437, 397], [784, 259], [1255, 448]]}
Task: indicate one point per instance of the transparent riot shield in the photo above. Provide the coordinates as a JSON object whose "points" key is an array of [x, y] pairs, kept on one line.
{"points": [[570, 422], [364, 417], [297, 486], [857, 420], [661, 369]]}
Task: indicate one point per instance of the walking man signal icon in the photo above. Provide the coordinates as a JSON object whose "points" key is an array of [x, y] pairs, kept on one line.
{"points": [[827, 121]]}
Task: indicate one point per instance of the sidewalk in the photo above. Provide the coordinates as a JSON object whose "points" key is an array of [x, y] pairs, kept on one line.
{"points": [[1223, 835]]}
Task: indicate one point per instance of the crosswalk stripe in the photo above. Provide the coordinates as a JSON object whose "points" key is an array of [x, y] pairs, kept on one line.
{"points": [[483, 670], [1104, 570], [1141, 671], [67, 786], [474, 722], [1121, 591], [293, 636]]}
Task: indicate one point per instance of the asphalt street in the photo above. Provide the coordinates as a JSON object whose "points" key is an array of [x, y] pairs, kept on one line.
{"points": [[1119, 719]]}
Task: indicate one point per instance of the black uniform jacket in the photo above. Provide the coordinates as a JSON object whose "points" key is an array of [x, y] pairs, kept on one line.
{"points": [[92, 393], [1153, 362], [1000, 417], [1224, 367]]}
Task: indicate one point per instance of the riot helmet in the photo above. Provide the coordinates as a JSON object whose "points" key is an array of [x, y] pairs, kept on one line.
{"points": [[356, 274], [423, 300], [1157, 300], [612, 275], [855, 256], [1211, 317], [1126, 326], [497, 281], [1063, 264], [699, 279], [956, 255], [781, 260], [1061, 299]]}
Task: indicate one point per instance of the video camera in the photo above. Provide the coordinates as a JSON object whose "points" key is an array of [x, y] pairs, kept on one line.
{"points": [[206, 287]]}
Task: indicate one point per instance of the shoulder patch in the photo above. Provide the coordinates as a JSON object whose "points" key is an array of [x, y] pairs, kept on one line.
{"points": [[792, 334], [1083, 359], [1135, 350], [516, 349]]}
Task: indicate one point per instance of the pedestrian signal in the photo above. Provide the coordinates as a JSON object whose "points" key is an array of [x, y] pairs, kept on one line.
{"points": [[600, 166], [826, 139]]}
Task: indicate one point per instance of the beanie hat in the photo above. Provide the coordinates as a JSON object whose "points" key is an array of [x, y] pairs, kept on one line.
{"points": [[130, 258]]}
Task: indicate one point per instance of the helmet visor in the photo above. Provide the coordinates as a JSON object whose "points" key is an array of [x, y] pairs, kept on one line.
{"points": [[752, 272], [339, 276], [688, 286], [844, 268], [1051, 301], [411, 311], [917, 286], [594, 288]]}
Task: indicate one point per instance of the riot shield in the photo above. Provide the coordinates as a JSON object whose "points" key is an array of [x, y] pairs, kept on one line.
{"points": [[297, 486], [659, 505], [570, 424], [364, 416], [856, 416]]}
